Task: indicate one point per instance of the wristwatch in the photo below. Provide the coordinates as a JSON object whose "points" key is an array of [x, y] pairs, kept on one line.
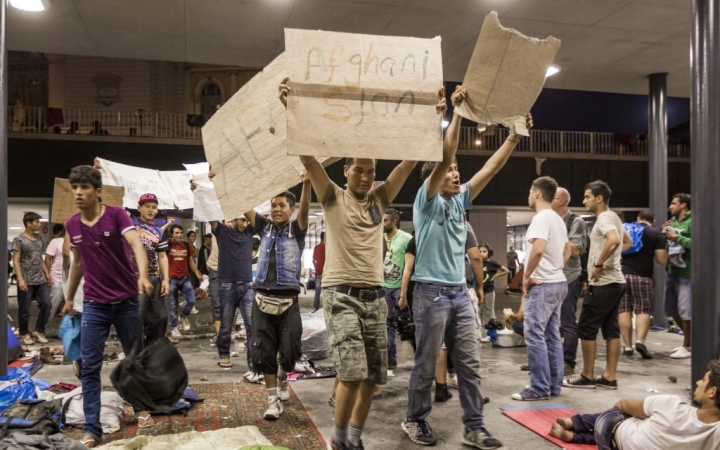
{"points": [[597, 266]]}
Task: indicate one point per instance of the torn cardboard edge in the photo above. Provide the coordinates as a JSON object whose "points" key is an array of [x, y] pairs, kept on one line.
{"points": [[480, 114]]}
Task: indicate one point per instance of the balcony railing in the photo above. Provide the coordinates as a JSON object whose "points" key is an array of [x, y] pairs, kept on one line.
{"points": [[181, 126], [114, 123], [567, 143]]}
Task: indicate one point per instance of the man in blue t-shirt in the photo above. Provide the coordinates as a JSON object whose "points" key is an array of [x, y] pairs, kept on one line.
{"points": [[442, 306]]}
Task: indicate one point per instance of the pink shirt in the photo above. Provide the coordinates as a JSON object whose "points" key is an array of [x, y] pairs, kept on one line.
{"points": [[54, 249]]}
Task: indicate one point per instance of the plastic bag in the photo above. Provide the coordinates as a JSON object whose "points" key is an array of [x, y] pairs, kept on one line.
{"points": [[18, 385], [69, 332], [315, 345]]}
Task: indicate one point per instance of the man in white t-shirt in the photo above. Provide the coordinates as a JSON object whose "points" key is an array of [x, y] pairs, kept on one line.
{"points": [[54, 263], [660, 422], [608, 240], [544, 289]]}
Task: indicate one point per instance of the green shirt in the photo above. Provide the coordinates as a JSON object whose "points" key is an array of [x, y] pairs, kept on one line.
{"points": [[395, 259], [683, 238]]}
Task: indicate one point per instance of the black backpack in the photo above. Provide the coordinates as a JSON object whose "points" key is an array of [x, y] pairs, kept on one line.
{"points": [[584, 255], [31, 417], [152, 380]]}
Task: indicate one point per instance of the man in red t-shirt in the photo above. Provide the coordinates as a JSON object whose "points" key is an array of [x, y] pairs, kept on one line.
{"points": [[319, 263], [180, 263]]}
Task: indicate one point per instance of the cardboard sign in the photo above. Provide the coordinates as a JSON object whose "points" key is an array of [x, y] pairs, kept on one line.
{"points": [[177, 183], [355, 95], [63, 203], [505, 75], [246, 144], [137, 181]]}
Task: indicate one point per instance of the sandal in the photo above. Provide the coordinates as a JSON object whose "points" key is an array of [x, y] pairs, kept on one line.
{"points": [[225, 364], [145, 421], [88, 441]]}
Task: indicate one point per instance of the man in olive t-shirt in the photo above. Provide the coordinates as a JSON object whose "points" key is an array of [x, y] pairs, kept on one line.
{"points": [[396, 241]]}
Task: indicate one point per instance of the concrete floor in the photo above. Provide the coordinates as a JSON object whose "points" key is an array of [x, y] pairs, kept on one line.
{"points": [[502, 377]]}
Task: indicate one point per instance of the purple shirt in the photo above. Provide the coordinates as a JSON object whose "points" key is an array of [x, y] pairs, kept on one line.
{"points": [[107, 266]]}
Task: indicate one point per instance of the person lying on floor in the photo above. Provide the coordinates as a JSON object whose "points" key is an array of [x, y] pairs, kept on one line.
{"points": [[660, 422]]}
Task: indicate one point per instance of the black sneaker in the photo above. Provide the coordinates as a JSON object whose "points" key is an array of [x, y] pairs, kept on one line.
{"points": [[419, 432], [644, 352], [481, 439], [441, 393], [628, 351], [335, 445], [579, 381], [525, 367], [600, 381], [358, 446]]}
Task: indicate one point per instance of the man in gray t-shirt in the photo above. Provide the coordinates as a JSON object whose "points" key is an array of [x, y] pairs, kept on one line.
{"points": [[33, 279]]}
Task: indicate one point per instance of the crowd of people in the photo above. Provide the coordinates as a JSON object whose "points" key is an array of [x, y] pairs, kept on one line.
{"points": [[367, 271]]}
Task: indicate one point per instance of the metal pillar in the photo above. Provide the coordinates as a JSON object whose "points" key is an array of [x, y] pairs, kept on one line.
{"points": [[657, 126], [4, 76], [705, 166]]}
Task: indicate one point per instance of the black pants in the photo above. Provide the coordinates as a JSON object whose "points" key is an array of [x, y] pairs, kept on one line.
{"points": [[600, 312], [154, 312], [276, 338]]}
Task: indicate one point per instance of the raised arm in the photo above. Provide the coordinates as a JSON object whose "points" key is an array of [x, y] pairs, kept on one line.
{"points": [[496, 162], [305, 196], [318, 177], [450, 145]]}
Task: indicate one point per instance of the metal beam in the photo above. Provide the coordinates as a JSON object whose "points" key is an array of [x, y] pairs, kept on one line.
{"points": [[4, 78], [705, 167], [658, 158]]}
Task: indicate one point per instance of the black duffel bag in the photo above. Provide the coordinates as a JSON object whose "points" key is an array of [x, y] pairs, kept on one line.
{"points": [[153, 379]]}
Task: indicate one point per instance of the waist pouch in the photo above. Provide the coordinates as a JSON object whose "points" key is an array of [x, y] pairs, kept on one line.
{"points": [[273, 305]]}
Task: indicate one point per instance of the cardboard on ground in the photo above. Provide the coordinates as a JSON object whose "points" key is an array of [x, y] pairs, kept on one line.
{"points": [[356, 95], [63, 204], [246, 144], [505, 75]]}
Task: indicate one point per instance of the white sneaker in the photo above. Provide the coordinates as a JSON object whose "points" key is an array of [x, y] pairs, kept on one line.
{"points": [[185, 323], [452, 382], [27, 340], [283, 390], [275, 408], [175, 333], [681, 353], [390, 373], [40, 337], [194, 311], [182, 304], [486, 339], [253, 377]]}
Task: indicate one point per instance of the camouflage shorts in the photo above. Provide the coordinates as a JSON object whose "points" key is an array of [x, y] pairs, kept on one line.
{"points": [[357, 331]]}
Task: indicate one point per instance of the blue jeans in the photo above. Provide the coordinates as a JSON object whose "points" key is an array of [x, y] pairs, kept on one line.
{"points": [[391, 297], [41, 292], [568, 322], [542, 335], [318, 286], [232, 297], [95, 327], [445, 313], [177, 284], [214, 294], [592, 429]]}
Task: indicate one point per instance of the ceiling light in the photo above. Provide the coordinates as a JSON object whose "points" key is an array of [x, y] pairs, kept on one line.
{"points": [[43, 220], [31, 5], [478, 142], [552, 70], [311, 216], [15, 228], [319, 213], [445, 123]]}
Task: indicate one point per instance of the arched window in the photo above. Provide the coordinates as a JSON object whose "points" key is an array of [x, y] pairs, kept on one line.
{"points": [[210, 98]]}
